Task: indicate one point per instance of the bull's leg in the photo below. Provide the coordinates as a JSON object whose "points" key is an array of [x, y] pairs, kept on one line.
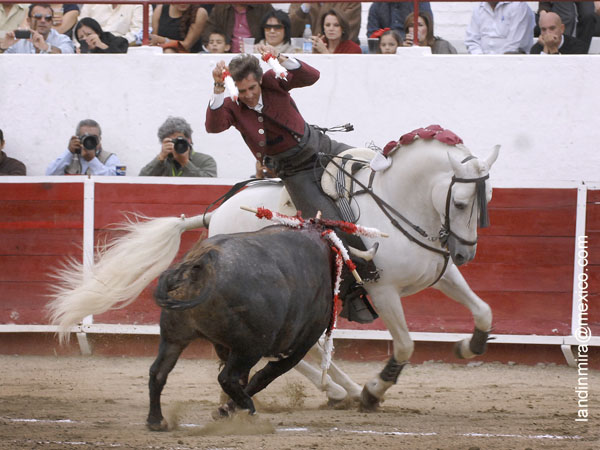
{"points": [[454, 286], [232, 379], [168, 354], [274, 369], [388, 305]]}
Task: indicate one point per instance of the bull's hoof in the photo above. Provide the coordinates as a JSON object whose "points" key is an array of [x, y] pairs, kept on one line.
{"points": [[368, 402], [222, 412], [161, 426]]}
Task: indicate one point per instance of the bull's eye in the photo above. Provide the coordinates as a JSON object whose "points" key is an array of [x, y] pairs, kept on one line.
{"points": [[460, 205]]}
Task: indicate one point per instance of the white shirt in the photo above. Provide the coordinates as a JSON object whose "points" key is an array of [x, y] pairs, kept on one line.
{"points": [[96, 167], [506, 28], [216, 101], [55, 39], [124, 20]]}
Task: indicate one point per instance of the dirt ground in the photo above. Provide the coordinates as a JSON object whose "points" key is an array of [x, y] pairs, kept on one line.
{"points": [[101, 402]]}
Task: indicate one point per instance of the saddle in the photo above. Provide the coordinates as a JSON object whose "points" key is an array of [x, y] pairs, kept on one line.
{"points": [[335, 183]]}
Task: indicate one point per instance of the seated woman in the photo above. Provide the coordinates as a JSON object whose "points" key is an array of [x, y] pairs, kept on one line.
{"points": [[177, 28], [334, 35], [275, 30], [425, 33], [92, 39]]}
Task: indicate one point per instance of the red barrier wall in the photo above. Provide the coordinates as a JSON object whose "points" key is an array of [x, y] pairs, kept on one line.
{"points": [[523, 268]]}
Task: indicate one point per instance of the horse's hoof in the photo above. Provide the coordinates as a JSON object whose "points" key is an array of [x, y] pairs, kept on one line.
{"points": [[333, 402], [456, 349], [368, 402], [161, 426]]}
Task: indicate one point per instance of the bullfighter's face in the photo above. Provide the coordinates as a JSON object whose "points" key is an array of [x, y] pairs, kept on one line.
{"points": [[249, 90]]}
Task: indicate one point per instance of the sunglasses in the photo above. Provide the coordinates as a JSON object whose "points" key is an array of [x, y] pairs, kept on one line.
{"points": [[273, 27], [47, 18]]}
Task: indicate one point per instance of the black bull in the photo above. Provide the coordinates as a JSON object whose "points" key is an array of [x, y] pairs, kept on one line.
{"points": [[252, 295]]}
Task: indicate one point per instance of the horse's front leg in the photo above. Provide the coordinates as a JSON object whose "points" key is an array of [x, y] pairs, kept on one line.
{"points": [[389, 307], [455, 286]]}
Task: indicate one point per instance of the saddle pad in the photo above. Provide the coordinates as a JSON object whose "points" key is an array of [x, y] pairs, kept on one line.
{"points": [[328, 180]]}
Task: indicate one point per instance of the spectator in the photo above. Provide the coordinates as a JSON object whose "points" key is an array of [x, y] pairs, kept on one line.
{"points": [[178, 27], [239, 21], [500, 27], [44, 39], [92, 39], [597, 12], [553, 40], [12, 15], [578, 18], [9, 166], [392, 15], [120, 20], [276, 31], [426, 37], [333, 37], [84, 154], [389, 41], [177, 157], [312, 13], [217, 42], [64, 17]]}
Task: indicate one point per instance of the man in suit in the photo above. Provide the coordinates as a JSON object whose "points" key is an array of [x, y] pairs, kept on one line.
{"points": [[277, 134], [553, 41]]}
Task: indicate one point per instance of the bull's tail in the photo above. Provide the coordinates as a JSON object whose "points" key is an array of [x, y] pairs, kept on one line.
{"points": [[123, 268], [191, 282]]}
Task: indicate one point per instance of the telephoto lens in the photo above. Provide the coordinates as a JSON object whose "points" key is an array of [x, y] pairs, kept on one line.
{"points": [[89, 141], [181, 144]]}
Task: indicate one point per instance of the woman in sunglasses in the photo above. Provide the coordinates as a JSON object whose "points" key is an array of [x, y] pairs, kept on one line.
{"points": [[275, 30], [92, 39]]}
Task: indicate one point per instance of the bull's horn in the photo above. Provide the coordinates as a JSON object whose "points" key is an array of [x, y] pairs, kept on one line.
{"points": [[367, 255]]}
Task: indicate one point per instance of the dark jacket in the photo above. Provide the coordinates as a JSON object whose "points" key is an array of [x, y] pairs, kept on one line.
{"points": [[570, 46], [222, 17], [279, 125], [11, 166]]}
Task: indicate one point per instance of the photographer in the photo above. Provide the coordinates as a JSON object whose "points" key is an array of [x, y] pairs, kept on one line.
{"points": [[84, 155], [177, 158], [40, 38]]}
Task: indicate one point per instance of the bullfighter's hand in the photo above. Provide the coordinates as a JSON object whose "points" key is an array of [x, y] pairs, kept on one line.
{"points": [[217, 72]]}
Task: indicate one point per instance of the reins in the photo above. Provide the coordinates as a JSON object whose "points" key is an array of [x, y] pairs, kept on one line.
{"points": [[445, 230]]}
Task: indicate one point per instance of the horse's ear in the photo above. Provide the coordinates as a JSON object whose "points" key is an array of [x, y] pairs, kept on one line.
{"points": [[493, 156], [457, 166]]}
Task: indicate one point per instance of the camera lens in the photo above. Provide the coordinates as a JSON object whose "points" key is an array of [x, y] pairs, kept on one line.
{"points": [[89, 141], [181, 145]]}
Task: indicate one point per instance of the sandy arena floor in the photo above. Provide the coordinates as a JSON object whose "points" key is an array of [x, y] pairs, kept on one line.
{"points": [[97, 402]]}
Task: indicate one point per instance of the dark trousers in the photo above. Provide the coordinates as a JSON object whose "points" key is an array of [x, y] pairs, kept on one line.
{"points": [[301, 169]]}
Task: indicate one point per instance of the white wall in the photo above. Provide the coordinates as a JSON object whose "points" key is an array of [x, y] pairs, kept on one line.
{"points": [[543, 111]]}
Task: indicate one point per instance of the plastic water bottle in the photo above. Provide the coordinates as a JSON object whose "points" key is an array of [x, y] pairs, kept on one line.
{"points": [[307, 35]]}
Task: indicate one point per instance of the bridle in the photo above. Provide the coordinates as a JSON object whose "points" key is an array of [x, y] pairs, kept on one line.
{"points": [[446, 229]]}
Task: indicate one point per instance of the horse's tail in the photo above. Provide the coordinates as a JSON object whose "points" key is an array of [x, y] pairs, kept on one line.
{"points": [[123, 268]]}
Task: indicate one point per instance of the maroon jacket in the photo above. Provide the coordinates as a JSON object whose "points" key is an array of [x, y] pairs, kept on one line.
{"points": [[280, 125]]}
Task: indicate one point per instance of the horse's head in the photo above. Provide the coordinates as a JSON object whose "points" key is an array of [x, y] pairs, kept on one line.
{"points": [[465, 204]]}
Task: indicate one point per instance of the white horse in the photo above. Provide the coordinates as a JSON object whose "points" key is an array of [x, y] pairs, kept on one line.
{"points": [[428, 201]]}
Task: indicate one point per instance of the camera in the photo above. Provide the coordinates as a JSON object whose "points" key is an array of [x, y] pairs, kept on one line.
{"points": [[89, 141], [22, 34], [84, 47], [181, 144]]}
